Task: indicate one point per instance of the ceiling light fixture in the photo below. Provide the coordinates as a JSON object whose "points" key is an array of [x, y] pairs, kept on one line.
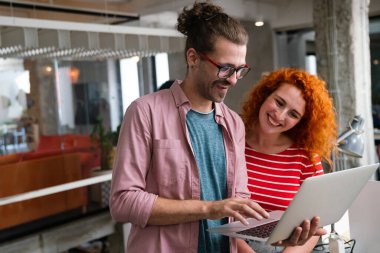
{"points": [[259, 23]]}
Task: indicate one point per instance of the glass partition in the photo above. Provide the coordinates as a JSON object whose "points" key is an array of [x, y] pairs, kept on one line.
{"points": [[59, 122]]}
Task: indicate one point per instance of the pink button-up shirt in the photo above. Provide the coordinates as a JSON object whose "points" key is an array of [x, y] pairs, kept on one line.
{"points": [[154, 158]]}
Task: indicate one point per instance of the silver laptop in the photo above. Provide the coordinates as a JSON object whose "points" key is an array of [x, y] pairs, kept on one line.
{"points": [[327, 196]]}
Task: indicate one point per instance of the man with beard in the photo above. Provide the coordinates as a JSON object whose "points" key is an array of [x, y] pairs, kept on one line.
{"points": [[180, 165]]}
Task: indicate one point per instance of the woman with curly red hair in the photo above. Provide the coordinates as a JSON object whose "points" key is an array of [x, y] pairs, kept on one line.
{"points": [[290, 127]]}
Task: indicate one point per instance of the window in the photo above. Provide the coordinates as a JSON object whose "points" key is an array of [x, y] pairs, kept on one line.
{"points": [[162, 69], [129, 81]]}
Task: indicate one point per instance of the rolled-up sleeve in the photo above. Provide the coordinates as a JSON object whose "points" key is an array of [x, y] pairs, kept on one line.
{"points": [[129, 200]]}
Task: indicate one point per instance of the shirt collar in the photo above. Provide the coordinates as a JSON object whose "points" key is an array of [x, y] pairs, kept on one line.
{"points": [[180, 98]]}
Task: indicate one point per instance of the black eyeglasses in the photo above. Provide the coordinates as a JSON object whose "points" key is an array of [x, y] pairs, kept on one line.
{"points": [[227, 71]]}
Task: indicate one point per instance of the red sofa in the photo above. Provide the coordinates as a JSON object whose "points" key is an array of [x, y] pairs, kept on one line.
{"points": [[57, 160], [25, 176], [70, 143]]}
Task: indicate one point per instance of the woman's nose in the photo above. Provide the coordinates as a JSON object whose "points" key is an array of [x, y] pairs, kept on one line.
{"points": [[281, 113]]}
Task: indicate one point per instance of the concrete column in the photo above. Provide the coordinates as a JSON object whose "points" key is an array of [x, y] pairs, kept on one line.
{"points": [[49, 116], [146, 78], [177, 65], [343, 61]]}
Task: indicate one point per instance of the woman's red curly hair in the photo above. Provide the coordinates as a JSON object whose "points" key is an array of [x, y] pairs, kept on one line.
{"points": [[317, 130]]}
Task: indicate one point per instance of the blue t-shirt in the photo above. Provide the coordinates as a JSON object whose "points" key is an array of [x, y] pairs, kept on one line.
{"points": [[208, 146]]}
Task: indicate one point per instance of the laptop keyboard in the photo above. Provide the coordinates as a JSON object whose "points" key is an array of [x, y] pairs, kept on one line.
{"points": [[261, 231]]}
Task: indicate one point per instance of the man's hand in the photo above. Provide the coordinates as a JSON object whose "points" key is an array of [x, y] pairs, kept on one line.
{"points": [[169, 211], [237, 208], [303, 233]]}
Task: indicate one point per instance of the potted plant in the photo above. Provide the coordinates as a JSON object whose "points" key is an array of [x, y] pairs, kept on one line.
{"points": [[106, 141]]}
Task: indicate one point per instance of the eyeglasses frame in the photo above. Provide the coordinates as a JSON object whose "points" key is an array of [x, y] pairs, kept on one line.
{"points": [[221, 66]]}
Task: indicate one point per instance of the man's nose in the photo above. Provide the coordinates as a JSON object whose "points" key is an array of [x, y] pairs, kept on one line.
{"points": [[232, 79]]}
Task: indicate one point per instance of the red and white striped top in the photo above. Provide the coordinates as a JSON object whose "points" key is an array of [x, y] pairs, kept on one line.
{"points": [[274, 179]]}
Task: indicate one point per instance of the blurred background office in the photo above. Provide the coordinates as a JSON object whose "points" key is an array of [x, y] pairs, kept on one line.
{"points": [[69, 70]]}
